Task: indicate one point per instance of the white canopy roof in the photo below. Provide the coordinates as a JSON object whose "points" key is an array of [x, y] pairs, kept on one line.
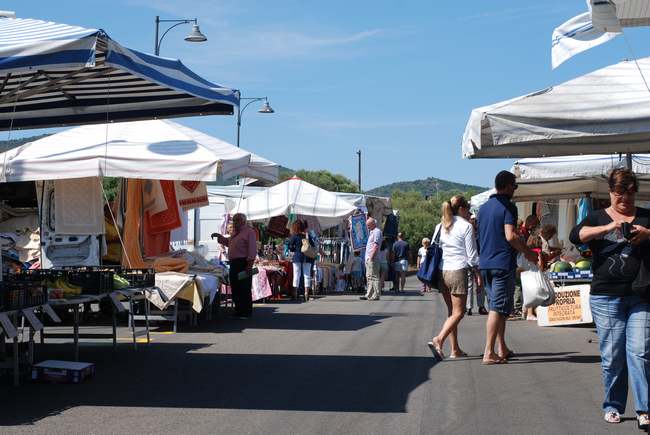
{"points": [[606, 111], [573, 176], [155, 149], [293, 196]]}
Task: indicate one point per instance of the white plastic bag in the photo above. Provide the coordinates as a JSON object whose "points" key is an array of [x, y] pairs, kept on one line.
{"points": [[537, 289]]}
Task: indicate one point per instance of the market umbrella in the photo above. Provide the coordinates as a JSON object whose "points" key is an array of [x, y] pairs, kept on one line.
{"points": [[154, 149], [294, 196], [605, 112], [55, 74]]}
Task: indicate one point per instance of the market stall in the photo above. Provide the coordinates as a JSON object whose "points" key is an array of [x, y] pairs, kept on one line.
{"points": [[276, 207]]}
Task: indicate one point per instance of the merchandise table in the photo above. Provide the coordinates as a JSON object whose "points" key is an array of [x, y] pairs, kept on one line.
{"points": [[131, 294], [9, 325]]}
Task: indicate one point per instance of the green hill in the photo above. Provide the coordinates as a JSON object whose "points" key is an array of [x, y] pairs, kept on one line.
{"points": [[427, 187]]}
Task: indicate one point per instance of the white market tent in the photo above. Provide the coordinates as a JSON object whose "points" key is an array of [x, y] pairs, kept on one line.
{"points": [[154, 149], [573, 176], [603, 112], [293, 196], [55, 74]]}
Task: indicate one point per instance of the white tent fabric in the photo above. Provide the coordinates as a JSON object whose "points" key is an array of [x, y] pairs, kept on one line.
{"points": [[155, 149], [54, 74], [293, 196], [627, 13], [574, 176], [605, 112]]}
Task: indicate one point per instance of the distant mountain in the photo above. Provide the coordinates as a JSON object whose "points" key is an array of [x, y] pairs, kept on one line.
{"points": [[427, 187]]}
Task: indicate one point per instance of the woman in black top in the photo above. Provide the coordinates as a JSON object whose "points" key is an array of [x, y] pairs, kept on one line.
{"points": [[618, 238], [302, 265]]}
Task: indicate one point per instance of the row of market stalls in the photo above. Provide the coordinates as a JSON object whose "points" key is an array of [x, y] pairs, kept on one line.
{"points": [[92, 214], [568, 138]]}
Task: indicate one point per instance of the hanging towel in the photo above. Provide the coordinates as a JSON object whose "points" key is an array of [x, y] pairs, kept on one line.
{"points": [[132, 255], [170, 218], [153, 199], [78, 206], [155, 244], [191, 194]]}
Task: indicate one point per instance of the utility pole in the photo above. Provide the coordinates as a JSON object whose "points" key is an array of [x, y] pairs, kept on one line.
{"points": [[359, 172]]}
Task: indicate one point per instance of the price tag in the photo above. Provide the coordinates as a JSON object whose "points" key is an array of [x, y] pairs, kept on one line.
{"points": [[8, 327], [50, 312], [32, 319]]}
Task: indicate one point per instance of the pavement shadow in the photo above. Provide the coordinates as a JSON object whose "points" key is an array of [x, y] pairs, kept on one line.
{"points": [[184, 376], [570, 357]]}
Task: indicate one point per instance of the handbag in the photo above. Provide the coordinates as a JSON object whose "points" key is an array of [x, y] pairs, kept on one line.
{"points": [[537, 290], [307, 249], [429, 271]]}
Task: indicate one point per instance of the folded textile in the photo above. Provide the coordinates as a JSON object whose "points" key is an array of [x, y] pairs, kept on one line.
{"points": [[168, 264], [78, 206]]}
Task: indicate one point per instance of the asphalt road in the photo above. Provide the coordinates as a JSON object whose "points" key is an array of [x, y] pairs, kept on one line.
{"points": [[333, 365]]}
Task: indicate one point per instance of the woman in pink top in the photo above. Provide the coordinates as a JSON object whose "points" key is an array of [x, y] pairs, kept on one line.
{"points": [[242, 250]]}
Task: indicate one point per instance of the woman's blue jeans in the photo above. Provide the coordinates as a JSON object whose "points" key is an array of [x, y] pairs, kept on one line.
{"points": [[623, 325]]}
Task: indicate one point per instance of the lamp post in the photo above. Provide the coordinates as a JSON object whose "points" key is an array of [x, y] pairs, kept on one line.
{"points": [[266, 108], [359, 172], [194, 36]]}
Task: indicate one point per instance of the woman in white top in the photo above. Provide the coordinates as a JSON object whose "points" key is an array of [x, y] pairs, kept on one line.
{"points": [[459, 254], [422, 257]]}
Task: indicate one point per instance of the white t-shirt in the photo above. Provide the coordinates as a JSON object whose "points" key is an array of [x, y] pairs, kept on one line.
{"points": [[373, 238], [458, 245], [422, 253]]}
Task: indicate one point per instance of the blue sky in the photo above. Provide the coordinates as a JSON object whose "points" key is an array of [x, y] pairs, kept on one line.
{"points": [[395, 79]]}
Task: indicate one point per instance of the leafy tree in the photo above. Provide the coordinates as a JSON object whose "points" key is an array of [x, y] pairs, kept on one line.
{"points": [[418, 216], [325, 180]]}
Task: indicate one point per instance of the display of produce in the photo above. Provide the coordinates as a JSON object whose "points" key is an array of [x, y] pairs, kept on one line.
{"points": [[561, 266], [583, 264]]}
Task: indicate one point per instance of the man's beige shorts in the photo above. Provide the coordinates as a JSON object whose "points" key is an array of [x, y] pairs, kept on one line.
{"points": [[454, 281]]}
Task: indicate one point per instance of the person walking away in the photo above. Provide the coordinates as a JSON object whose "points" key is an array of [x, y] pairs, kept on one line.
{"points": [[618, 239], [499, 243], [401, 254], [459, 255], [242, 251], [422, 258], [383, 264], [372, 261], [475, 293], [302, 265]]}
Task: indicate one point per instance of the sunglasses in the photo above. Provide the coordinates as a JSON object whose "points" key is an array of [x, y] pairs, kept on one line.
{"points": [[620, 190]]}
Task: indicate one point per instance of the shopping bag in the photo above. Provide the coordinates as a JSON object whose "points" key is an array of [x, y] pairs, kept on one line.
{"points": [[308, 249], [537, 289], [429, 271]]}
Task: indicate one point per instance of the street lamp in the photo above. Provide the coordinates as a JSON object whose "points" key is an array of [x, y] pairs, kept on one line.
{"points": [[194, 36], [266, 108]]}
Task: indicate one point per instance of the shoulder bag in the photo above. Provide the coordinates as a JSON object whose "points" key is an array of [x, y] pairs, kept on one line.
{"points": [[429, 271], [308, 249]]}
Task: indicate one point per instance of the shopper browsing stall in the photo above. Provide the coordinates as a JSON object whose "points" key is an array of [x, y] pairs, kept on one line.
{"points": [[242, 251], [303, 262], [372, 261]]}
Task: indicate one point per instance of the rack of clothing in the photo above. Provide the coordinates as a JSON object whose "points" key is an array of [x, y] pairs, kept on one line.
{"points": [[335, 250]]}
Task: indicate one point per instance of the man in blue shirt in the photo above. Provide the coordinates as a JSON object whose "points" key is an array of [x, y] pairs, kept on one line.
{"points": [[401, 253], [499, 241]]}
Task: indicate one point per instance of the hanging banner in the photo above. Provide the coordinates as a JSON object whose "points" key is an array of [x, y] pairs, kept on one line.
{"points": [[358, 231], [191, 194]]}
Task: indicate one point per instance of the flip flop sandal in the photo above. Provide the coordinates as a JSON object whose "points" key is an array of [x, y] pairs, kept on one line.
{"points": [[494, 362], [510, 355], [643, 421], [437, 350], [612, 417], [459, 355]]}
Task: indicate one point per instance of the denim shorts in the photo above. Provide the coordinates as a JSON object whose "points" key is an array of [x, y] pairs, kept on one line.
{"points": [[402, 266], [500, 289]]}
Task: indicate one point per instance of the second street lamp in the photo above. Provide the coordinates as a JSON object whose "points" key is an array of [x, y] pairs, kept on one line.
{"points": [[194, 36], [266, 108]]}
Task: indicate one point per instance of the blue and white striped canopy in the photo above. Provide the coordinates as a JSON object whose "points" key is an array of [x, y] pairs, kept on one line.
{"points": [[55, 74]]}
